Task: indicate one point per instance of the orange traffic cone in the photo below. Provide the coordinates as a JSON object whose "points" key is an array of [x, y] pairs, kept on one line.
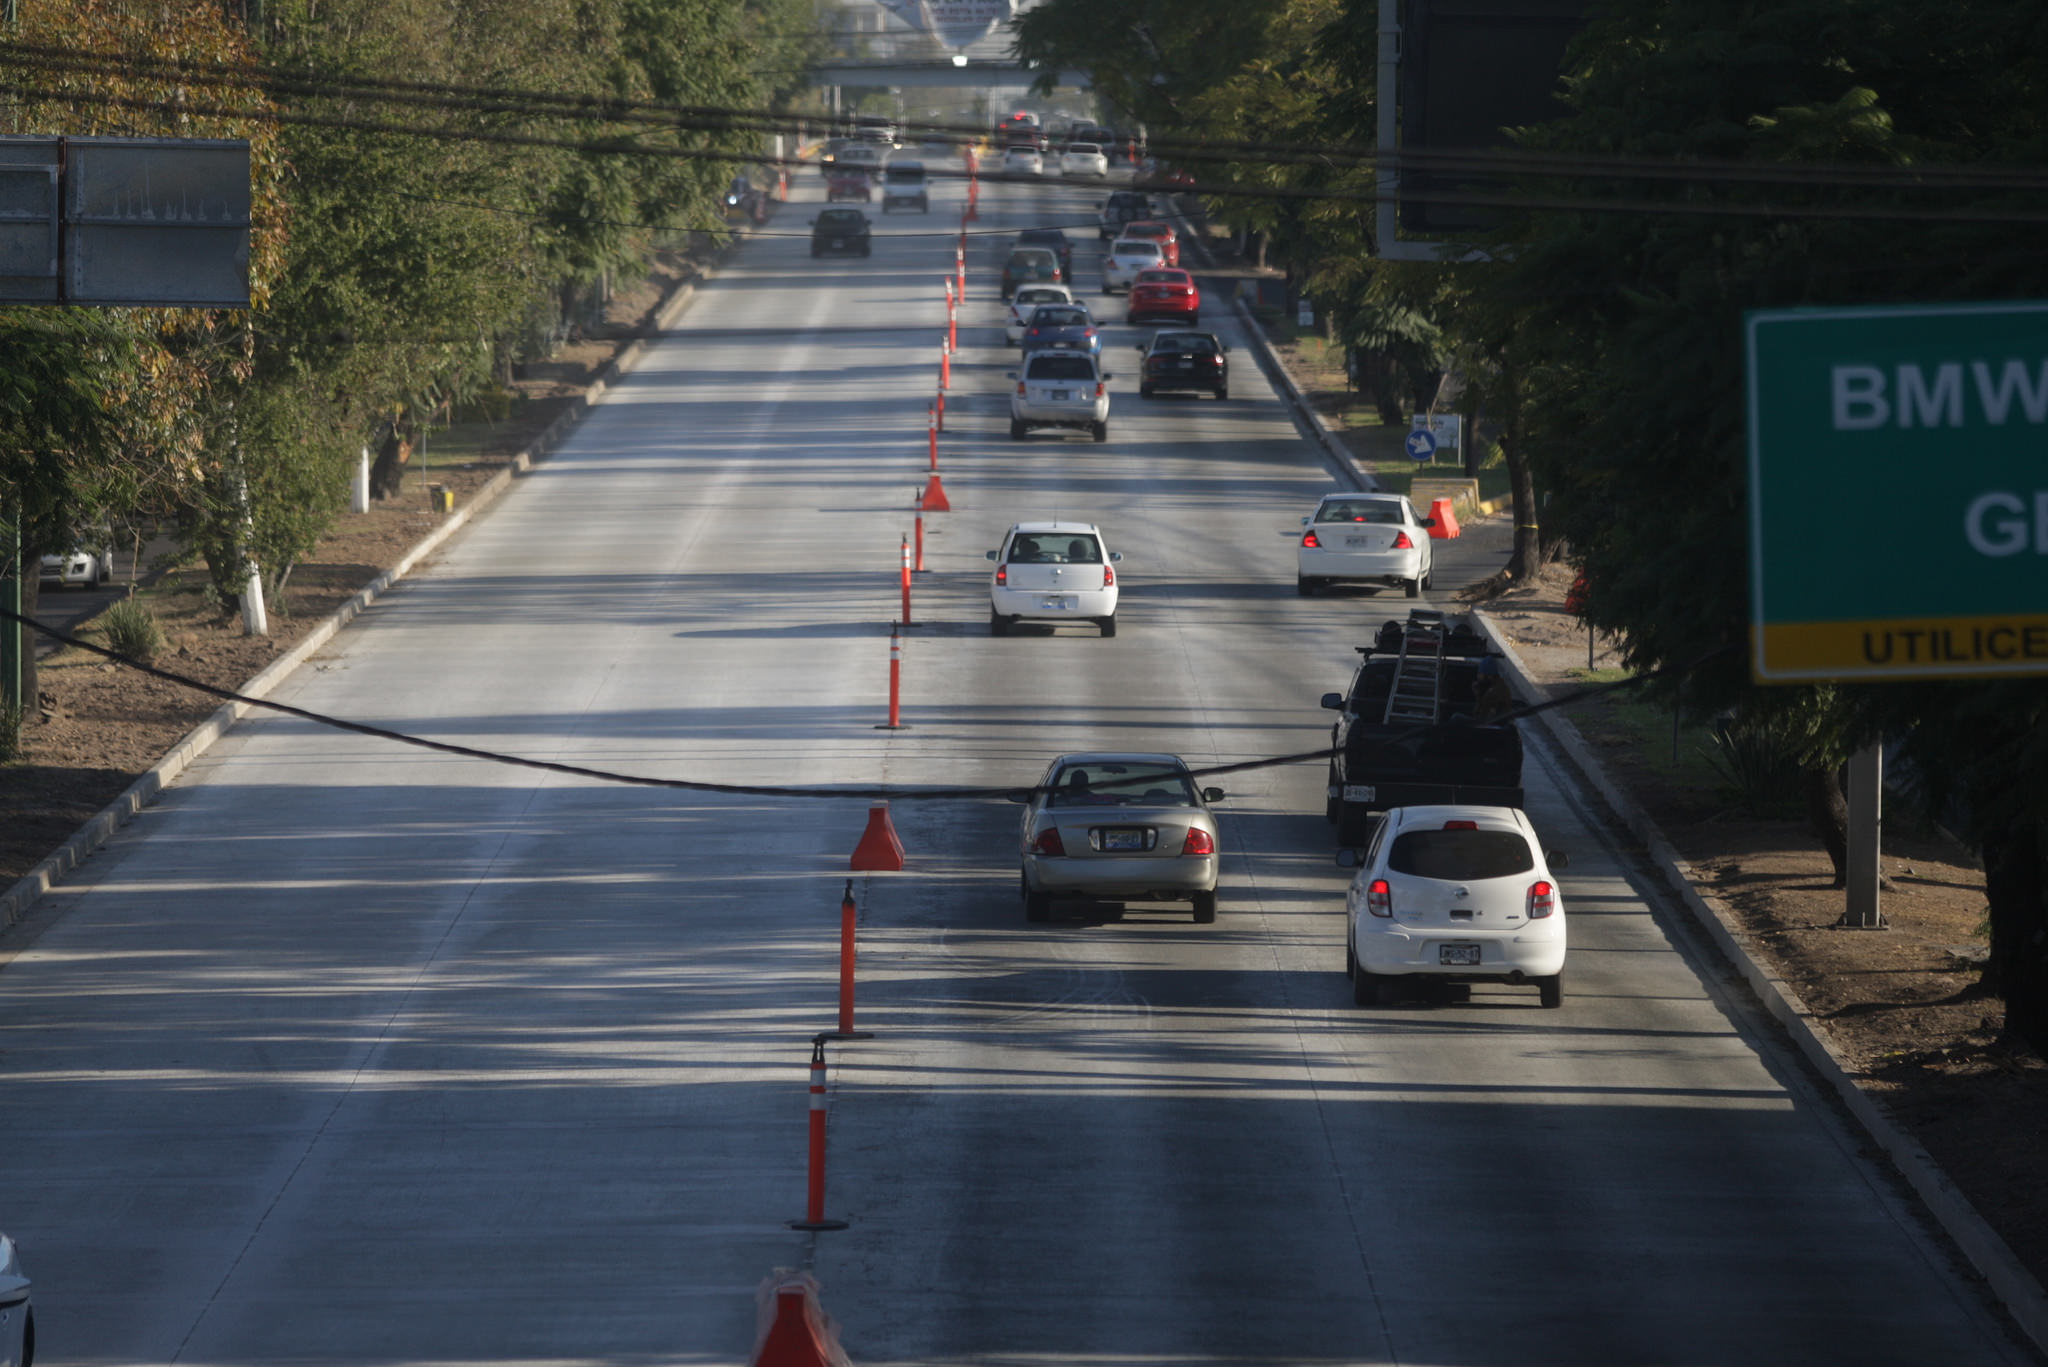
{"points": [[1446, 521], [795, 1330], [935, 500], [879, 850]]}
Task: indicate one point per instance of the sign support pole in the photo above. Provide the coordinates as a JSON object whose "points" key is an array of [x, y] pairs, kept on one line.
{"points": [[1866, 824], [13, 635]]}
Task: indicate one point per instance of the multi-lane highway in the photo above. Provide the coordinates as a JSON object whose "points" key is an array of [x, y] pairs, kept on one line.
{"points": [[357, 1053]]}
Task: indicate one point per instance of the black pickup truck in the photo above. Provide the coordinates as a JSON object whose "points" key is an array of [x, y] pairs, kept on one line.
{"points": [[1412, 727]]}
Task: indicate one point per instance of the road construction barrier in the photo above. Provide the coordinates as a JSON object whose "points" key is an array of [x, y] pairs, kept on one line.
{"points": [[879, 851], [1446, 520], [795, 1330], [935, 500]]}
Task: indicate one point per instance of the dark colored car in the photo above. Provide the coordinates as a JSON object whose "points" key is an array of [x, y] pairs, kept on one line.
{"points": [[844, 231], [1123, 206], [1054, 241], [1029, 264], [1185, 360]]}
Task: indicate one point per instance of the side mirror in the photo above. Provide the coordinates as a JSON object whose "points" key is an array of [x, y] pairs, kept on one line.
{"points": [[1226, 348], [1332, 702], [990, 555], [1306, 521], [1140, 349], [1107, 376], [1429, 522], [1212, 794], [1557, 859], [1009, 374], [1116, 557], [1350, 859], [1019, 798]]}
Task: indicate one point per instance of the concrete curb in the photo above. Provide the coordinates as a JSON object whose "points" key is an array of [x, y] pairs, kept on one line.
{"points": [[100, 827], [2009, 1280], [1305, 414]]}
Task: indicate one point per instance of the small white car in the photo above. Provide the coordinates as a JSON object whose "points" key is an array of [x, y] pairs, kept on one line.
{"points": [[1023, 161], [1053, 572], [17, 1317], [1084, 159], [1027, 298], [1364, 539], [77, 569], [1457, 894], [1120, 828], [1125, 258], [1060, 389], [859, 156]]}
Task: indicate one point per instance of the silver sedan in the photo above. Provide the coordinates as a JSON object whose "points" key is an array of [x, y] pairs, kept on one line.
{"points": [[1119, 828]]}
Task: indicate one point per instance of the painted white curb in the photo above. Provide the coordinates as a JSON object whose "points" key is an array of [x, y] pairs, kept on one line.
{"points": [[2009, 1280]]}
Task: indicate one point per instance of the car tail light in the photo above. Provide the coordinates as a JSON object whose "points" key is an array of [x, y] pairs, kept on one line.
{"points": [[1461, 825], [1032, 331], [1402, 543], [1002, 574], [1542, 899], [1309, 540], [1199, 841], [1020, 386], [1098, 389], [1379, 898], [1108, 577], [1088, 332], [1049, 842]]}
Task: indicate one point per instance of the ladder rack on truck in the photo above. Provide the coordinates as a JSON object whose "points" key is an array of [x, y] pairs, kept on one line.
{"points": [[1418, 670]]}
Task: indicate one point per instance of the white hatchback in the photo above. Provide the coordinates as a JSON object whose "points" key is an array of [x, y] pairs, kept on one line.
{"points": [[1364, 539], [1454, 893], [1126, 257], [1027, 298], [1083, 159], [1053, 572], [1060, 389], [1022, 161]]}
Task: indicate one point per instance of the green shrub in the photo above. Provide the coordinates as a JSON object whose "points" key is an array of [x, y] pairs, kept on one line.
{"points": [[132, 630], [1759, 763]]}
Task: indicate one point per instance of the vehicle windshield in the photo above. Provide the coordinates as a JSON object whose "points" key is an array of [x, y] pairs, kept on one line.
{"points": [[1460, 855], [1383, 512], [1037, 257], [1161, 278], [1055, 548], [1084, 149], [1059, 316], [1185, 343], [1061, 367], [1138, 247], [1101, 784], [1042, 294]]}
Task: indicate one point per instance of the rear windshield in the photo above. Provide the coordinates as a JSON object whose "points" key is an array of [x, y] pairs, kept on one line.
{"points": [[1137, 246], [1040, 294], [1059, 316], [839, 218], [1458, 856], [1055, 548], [911, 175], [1161, 278], [1121, 785], [1084, 149], [1060, 368], [1381, 511], [1184, 343], [1031, 256]]}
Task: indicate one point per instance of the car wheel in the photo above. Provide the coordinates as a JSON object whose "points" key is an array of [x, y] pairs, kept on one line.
{"points": [[1304, 586], [1101, 430], [998, 625], [1016, 430], [1429, 579], [1550, 991], [1332, 809], [1205, 908], [1108, 625], [1222, 391], [1412, 587], [1037, 906], [1365, 987]]}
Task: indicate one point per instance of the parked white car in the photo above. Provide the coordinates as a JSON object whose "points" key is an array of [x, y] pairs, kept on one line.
{"points": [[1364, 539], [17, 1317], [1053, 572], [1119, 828], [1060, 389], [1027, 298], [78, 569], [1125, 258], [1084, 159], [1457, 894], [1022, 161]]}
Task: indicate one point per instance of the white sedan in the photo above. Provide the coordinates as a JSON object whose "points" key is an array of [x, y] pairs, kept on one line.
{"points": [[17, 1318], [78, 569], [1084, 159], [1364, 539], [1060, 389], [1027, 298], [1457, 894], [1053, 572], [1120, 828], [1023, 161], [1126, 257]]}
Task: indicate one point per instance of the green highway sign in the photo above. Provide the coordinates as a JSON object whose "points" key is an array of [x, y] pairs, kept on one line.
{"points": [[1898, 491]]}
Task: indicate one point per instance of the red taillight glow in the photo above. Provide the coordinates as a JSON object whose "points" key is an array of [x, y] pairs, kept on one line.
{"points": [[1309, 540], [1461, 825], [1049, 842], [1379, 898], [1020, 386], [1098, 389], [1199, 841], [1108, 577], [1402, 543], [1002, 574], [1542, 899]]}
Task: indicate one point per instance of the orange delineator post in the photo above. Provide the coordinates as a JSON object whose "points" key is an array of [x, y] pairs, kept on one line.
{"points": [[848, 915], [895, 722], [939, 406], [945, 365], [906, 581], [814, 1196], [931, 428], [1446, 520], [918, 568]]}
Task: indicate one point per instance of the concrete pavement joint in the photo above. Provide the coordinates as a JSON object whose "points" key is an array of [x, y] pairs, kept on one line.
{"points": [[2013, 1285]]}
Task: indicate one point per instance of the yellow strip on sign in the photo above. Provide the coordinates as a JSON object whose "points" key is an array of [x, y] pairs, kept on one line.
{"points": [[1902, 648]]}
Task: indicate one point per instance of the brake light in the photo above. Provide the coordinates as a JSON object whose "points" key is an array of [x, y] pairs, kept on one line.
{"points": [[1020, 386], [1309, 540], [1542, 899], [1098, 389], [1108, 577], [1002, 574], [1379, 898], [1048, 842], [1402, 543], [1461, 825], [1199, 841], [1034, 332]]}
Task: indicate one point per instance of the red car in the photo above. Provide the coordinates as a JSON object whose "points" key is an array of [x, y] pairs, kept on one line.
{"points": [[848, 184], [1163, 293], [1163, 233]]}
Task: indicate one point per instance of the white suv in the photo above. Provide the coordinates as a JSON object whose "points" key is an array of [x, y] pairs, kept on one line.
{"points": [[1060, 389], [1053, 572], [1454, 893]]}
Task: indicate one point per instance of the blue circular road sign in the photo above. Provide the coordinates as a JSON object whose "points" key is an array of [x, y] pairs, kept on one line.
{"points": [[1421, 444]]}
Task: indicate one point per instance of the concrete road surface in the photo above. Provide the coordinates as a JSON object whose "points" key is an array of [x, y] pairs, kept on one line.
{"points": [[349, 1052]]}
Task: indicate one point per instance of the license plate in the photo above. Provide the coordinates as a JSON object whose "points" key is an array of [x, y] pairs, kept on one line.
{"points": [[1123, 840], [1358, 542], [1061, 395], [1463, 955], [1187, 365], [1360, 792], [838, 242], [1057, 603]]}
